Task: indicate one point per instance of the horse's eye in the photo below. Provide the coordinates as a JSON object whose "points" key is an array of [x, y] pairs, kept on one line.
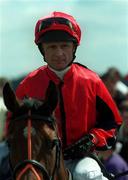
{"points": [[50, 124], [50, 144], [55, 143]]}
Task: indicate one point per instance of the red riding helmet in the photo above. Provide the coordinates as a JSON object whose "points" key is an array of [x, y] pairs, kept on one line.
{"points": [[57, 21]]}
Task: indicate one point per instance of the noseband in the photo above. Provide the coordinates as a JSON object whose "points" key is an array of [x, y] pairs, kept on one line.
{"points": [[31, 163]]}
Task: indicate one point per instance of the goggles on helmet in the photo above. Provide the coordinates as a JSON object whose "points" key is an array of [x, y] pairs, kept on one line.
{"points": [[56, 23], [48, 22]]}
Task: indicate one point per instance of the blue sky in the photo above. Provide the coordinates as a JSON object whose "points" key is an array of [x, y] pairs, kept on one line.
{"points": [[104, 25]]}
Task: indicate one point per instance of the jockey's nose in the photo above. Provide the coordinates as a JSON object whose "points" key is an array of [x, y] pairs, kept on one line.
{"points": [[59, 51]]}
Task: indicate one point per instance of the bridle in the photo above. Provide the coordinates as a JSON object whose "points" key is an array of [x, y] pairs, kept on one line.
{"points": [[31, 164]]}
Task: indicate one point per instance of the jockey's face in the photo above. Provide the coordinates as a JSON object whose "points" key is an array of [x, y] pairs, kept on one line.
{"points": [[58, 54]]}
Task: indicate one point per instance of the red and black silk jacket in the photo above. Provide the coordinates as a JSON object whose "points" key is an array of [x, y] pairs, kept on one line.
{"points": [[85, 105]]}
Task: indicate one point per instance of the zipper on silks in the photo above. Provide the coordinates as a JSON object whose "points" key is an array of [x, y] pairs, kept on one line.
{"points": [[62, 112]]}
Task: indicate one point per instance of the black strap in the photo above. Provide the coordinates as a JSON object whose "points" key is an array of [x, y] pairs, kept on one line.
{"points": [[103, 169], [36, 164], [62, 111], [110, 176], [79, 64], [80, 148], [36, 117]]}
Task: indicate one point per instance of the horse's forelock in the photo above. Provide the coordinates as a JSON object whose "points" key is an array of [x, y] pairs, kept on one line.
{"points": [[30, 103]]}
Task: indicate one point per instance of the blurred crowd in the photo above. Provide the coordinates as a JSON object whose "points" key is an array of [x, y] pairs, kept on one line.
{"points": [[115, 160]]}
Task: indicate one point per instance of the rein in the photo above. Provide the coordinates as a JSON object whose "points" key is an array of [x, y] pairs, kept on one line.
{"points": [[110, 176], [31, 164]]}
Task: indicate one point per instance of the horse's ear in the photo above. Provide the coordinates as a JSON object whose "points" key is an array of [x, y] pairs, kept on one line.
{"points": [[51, 97], [9, 97]]}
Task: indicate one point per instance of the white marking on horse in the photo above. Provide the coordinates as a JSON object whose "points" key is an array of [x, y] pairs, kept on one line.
{"points": [[25, 132]]}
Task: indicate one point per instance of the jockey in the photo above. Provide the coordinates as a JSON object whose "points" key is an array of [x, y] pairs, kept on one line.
{"points": [[86, 115]]}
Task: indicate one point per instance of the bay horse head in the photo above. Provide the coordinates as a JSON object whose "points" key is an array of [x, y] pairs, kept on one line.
{"points": [[35, 150]]}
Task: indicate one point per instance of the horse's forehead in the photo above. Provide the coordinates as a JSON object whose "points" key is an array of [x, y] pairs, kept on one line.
{"points": [[31, 102], [28, 104]]}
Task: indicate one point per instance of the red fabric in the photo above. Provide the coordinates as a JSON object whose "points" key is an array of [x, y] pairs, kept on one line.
{"points": [[80, 88]]}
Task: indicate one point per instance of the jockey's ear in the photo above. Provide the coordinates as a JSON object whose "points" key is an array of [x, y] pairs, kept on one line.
{"points": [[9, 97], [51, 97]]}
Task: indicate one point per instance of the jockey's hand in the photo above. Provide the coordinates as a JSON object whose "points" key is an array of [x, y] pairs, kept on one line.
{"points": [[80, 148]]}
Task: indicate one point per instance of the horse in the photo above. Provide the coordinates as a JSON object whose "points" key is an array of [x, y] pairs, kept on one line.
{"points": [[35, 148], [34, 144]]}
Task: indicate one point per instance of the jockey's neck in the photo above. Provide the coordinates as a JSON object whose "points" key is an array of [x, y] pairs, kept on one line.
{"points": [[61, 73]]}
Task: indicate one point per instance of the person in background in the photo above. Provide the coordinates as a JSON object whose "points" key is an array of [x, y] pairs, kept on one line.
{"points": [[126, 79], [123, 132], [115, 85], [113, 161], [4, 151], [86, 115], [3, 109]]}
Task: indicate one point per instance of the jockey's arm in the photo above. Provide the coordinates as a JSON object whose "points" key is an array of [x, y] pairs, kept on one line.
{"points": [[108, 119]]}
